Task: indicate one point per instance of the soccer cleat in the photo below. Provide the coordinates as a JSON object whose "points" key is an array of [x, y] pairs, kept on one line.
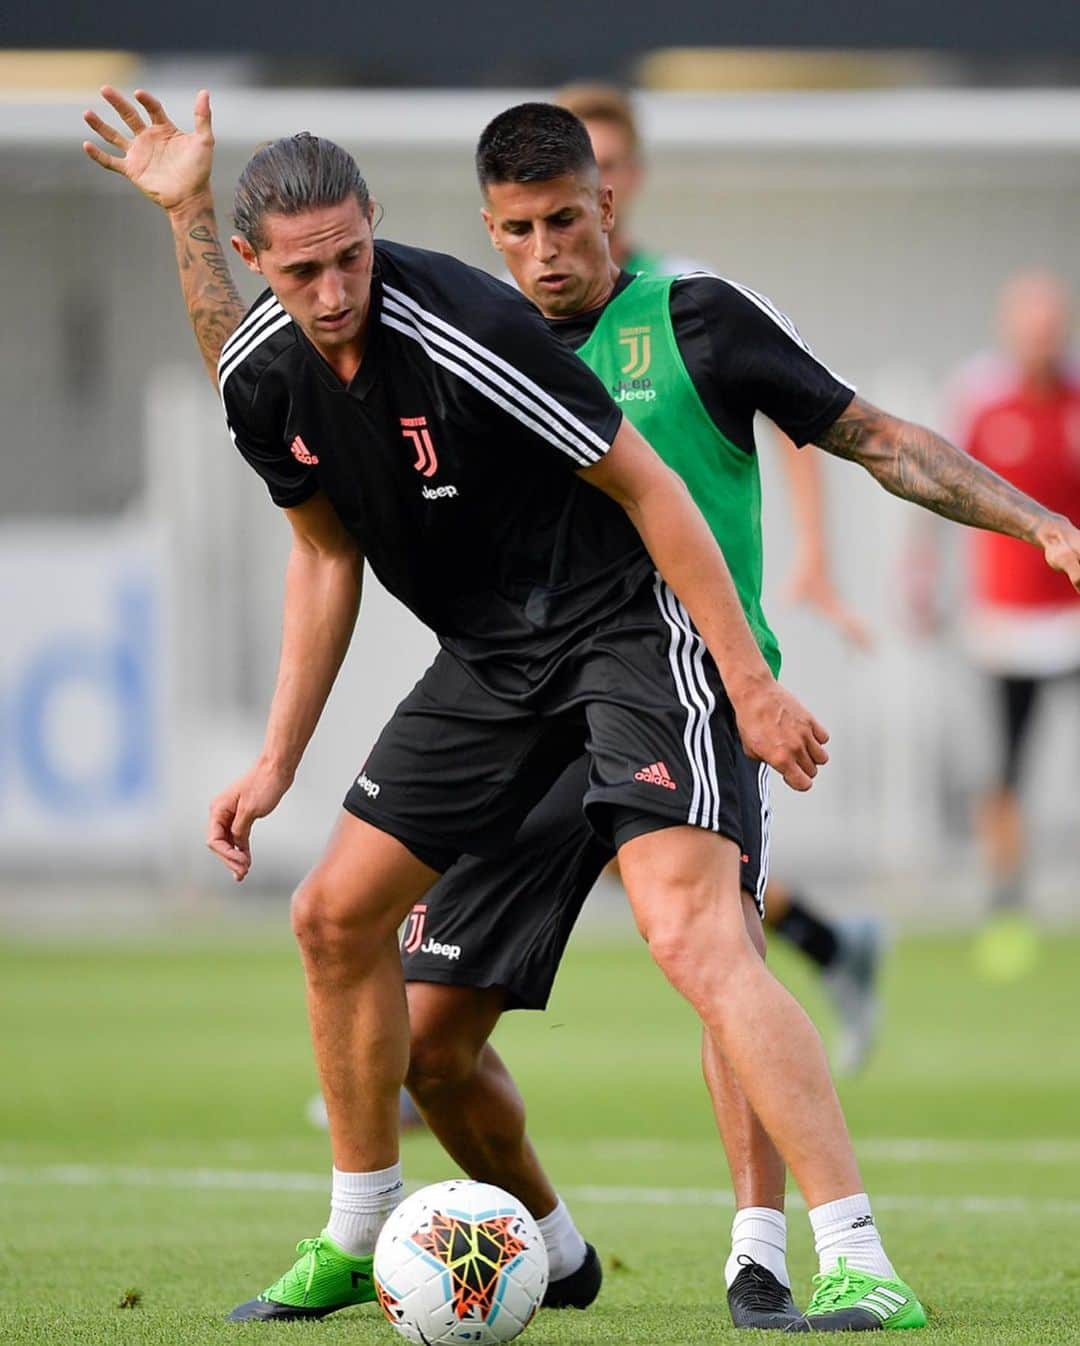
{"points": [[580, 1288], [757, 1299], [322, 1280], [846, 1300], [851, 984], [1007, 947]]}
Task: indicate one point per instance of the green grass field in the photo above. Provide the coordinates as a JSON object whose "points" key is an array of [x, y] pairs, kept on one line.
{"points": [[152, 1138]]}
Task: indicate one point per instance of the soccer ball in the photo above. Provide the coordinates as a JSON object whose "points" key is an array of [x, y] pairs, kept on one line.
{"points": [[460, 1262]]}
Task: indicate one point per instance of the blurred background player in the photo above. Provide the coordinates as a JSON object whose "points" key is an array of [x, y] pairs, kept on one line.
{"points": [[847, 952], [1018, 411]]}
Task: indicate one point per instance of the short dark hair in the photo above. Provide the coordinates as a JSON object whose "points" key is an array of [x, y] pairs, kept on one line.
{"points": [[532, 142], [291, 175]]}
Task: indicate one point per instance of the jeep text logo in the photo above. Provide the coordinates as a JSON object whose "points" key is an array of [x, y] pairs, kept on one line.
{"points": [[368, 786], [451, 951]]}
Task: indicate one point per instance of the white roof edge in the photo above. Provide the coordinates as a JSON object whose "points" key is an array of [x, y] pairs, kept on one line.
{"points": [[942, 119]]}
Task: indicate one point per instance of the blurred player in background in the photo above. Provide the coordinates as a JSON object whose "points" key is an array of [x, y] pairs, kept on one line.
{"points": [[1018, 411], [847, 952]]}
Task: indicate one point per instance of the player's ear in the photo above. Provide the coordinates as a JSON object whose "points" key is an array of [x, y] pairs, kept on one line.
{"points": [[248, 255], [605, 199], [489, 225]]}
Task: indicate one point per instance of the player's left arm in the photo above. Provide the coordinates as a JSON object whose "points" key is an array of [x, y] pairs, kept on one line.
{"points": [[916, 464], [772, 724]]}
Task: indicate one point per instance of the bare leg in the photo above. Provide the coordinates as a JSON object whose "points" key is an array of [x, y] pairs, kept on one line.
{"points": [[345, 917], [757, 1171], [466, 1094], [1001, 830], [683, 885]]}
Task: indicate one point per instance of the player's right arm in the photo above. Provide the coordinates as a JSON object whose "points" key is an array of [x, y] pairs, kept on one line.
{"points": [[172, 168], [322, 597], [916, 464]]}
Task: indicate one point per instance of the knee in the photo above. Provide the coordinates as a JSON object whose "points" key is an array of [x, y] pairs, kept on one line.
{"points": [[438, 1061], [695, 943], [328, 928]]}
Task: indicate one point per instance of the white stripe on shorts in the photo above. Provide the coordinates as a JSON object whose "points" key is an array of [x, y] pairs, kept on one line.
{"points": [[766, 836], [686, 657]]}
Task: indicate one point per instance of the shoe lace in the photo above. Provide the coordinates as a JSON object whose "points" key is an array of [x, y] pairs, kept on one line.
{"points": [[832, 1288], [313, 1254], [758, 1291]]}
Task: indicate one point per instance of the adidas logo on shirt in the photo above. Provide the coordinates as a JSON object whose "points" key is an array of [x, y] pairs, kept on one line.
{"points": [[656, 774]]}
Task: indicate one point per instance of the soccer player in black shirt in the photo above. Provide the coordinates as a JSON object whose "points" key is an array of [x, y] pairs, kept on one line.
{"points": [[825, 1162], [412, 412]]}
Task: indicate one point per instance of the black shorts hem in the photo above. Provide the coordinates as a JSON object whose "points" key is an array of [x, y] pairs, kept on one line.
{"points": [[428, 852], [517, 998], [603, 806]]}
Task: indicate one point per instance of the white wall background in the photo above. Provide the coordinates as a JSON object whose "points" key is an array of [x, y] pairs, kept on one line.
{"points": [[883, 224]]}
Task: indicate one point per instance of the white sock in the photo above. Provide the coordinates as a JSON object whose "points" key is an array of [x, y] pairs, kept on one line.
{"points": [[359, 1205], [846, 1228], [760, 1233], [564, 1244]]}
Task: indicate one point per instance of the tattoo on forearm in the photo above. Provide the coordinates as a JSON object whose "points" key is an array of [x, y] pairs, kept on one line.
{"points": [[919, 465], [213, 302]]}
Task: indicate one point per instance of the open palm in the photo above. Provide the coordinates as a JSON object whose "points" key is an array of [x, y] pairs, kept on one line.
{"points": [[167, 165]]}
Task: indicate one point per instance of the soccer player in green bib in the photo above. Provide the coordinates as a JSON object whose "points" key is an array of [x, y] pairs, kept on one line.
{"points": [[847, 952], [690, 360]]}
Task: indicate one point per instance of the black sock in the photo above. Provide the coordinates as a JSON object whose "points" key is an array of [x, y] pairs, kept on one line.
{"points": [[802, 928]]}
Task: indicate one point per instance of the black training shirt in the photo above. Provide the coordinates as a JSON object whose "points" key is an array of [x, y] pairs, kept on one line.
{"points": [[743, 356], [451, 458]]}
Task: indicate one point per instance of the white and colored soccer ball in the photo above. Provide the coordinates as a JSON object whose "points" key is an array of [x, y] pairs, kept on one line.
{"points": [[460, 1262]]}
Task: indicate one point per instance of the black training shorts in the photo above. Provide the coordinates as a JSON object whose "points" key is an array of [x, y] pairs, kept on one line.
{"points": [[459, 767], [505, 921]]}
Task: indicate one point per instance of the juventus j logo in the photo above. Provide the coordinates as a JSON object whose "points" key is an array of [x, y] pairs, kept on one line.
{"points": [[414, 928], [638, 343], [415, 428]]}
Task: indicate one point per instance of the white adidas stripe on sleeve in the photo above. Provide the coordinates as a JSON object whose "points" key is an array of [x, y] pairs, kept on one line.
{"points": [[248, 325], [565, 429], [238, 356]]}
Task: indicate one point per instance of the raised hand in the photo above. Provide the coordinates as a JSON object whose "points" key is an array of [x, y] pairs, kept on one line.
{"points": [[776, 728], [169, 166]]}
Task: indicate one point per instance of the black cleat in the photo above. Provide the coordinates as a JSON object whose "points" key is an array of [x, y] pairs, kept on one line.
{"points": [[260, 1309], [841, 1320], [580, 1288], [757, 1299]]}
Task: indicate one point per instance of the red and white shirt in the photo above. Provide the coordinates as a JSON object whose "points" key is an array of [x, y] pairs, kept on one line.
{"points": [[1025, 617]]}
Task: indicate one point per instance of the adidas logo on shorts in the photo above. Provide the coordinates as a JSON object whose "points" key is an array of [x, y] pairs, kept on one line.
{"points": [[656, 774]]}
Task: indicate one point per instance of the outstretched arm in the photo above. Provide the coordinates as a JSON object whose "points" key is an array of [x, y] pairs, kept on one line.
{"points": [[172, 168], [916, 464], [772, 724], [322, 598]]}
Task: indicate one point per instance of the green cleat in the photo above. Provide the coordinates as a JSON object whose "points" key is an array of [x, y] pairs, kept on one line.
{"points": [[322, 1280], [846, 1300]]}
